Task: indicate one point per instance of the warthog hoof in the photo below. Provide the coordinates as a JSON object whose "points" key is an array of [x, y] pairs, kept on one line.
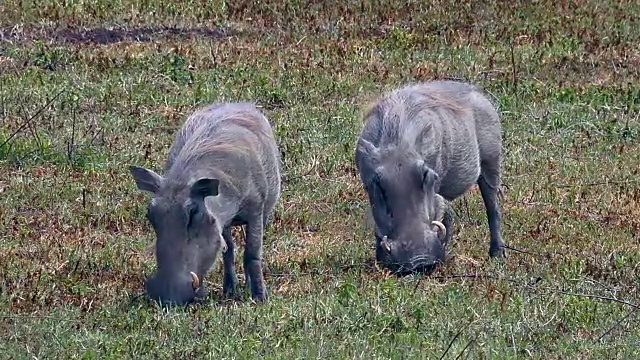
{"points": [[497, 252], [259, 298], [230, 287]]}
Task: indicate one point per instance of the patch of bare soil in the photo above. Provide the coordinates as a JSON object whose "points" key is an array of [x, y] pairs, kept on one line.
{"points": [[105, 36]]}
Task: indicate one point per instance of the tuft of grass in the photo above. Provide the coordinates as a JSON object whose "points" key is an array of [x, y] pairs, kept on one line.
{"points": [[87, 88]]}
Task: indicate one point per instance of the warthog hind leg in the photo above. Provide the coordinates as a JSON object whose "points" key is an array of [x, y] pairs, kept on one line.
{"points": [[253, 257], [489, 182]]}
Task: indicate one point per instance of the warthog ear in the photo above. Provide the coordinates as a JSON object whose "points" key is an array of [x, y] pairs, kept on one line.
{"points": [[146, 180], [368, 148], [204, 187]]}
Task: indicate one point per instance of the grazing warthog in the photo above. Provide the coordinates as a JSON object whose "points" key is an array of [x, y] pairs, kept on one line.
{"points": [[222, 171], [418, 142]]}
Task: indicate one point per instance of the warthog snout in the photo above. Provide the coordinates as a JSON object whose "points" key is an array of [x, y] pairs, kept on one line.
{"points": [[178, 289], [408, 254]]}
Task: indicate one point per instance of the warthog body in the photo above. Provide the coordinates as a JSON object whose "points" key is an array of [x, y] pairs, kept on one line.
{"points": [[418, 142], [222, 171]]}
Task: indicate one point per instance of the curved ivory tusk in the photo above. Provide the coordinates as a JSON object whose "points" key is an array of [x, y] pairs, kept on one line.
{"points": [[195, 282], [442, 230], [385, 243]]}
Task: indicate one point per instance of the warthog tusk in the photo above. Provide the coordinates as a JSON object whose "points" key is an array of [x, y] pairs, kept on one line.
{"points": [[385, 243], [195, 282], [442, 230]]}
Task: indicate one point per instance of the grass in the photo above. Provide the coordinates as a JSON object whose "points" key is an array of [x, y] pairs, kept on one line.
{"points": [[87, 89]]}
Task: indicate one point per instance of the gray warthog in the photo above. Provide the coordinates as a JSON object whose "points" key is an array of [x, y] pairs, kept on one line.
{"points": [[420, 141], [222, 171]]}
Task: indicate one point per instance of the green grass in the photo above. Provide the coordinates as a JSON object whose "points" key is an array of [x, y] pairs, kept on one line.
{"points": [[74, 240]]}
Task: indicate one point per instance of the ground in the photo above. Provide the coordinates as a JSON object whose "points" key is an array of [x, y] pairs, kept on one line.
{"points": [[90, 88]]}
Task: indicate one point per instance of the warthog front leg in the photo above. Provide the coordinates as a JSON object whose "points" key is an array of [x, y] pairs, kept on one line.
{"points": [[488, 182], [230, 282], [253, 258]]}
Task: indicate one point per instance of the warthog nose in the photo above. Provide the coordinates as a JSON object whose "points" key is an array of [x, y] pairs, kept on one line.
{"points": [[173, 289], [426, 269]]}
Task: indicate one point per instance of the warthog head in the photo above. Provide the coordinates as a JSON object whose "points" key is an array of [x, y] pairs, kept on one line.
{"points": [[188, 238], [401, 190]]}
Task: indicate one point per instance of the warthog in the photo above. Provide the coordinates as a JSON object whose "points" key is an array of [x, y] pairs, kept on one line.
{"points": [[222, 171], [418, 142]]}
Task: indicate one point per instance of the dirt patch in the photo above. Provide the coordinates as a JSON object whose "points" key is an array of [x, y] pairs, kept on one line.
{"points": [[106, 36], [144, 34]]}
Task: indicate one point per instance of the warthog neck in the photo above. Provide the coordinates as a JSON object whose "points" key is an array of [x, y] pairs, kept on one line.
{"points": [[224, 208]]}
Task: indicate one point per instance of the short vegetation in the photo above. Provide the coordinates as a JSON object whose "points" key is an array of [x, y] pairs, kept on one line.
{"points": [[88, 88]]}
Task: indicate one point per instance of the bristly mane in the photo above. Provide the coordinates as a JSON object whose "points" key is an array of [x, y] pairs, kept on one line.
{"points": [[220, 136], [401, 110]]}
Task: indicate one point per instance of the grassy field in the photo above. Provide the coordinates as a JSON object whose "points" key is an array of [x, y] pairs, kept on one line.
{"points": [[90, 88]]}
